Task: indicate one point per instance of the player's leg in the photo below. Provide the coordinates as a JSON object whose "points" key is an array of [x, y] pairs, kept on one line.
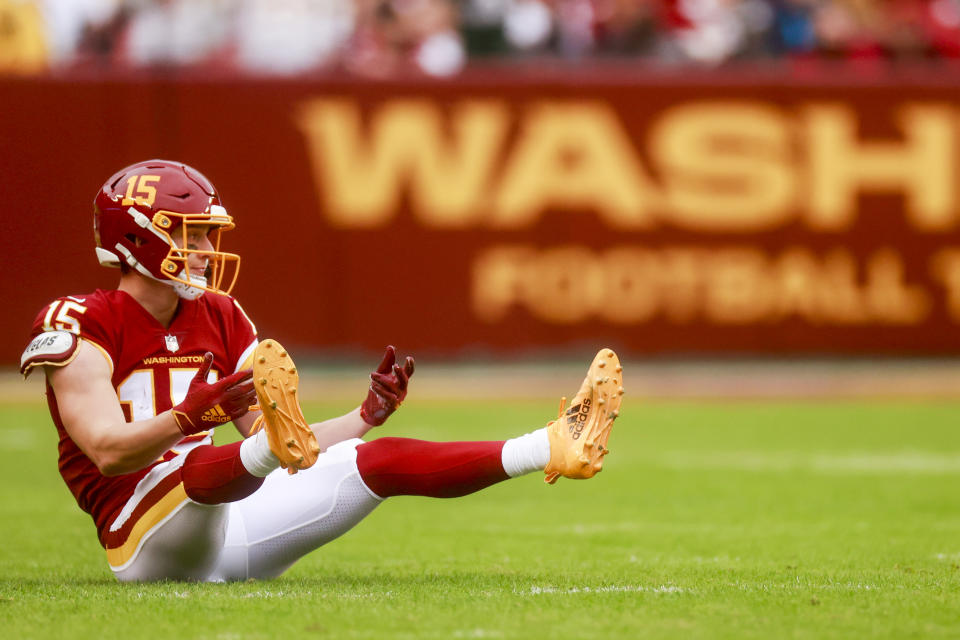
{"points": [[174, 524], [292, 515], [409, 467], [572, 446], [204, 516]]}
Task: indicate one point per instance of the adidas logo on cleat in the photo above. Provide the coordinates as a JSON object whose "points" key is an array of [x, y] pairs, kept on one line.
{"points": [[578, 437], [577, 418]]}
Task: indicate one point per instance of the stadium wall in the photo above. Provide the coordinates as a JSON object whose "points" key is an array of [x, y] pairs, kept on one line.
{"points": [[507, 213]]}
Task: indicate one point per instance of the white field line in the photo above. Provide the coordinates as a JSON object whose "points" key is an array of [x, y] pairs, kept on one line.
{"points": [[535, 590], [686, 528], [853, 463], [801, 585], [478, 633], [794, 585], [666, 528], [668, 379], [266, 594]]}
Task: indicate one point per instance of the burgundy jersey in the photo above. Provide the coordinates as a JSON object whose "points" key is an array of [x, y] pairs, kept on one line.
{"points": [[152, 367]]}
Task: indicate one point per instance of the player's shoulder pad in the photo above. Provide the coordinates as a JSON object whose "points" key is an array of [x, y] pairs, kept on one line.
{"points": [[55, 348]]}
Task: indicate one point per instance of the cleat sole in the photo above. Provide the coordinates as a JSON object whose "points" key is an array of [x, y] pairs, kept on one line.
{"points": [[290, 437], [579, 435]]}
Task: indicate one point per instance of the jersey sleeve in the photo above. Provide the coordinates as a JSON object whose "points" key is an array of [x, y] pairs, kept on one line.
{"points": [[242, 337], [85, 318]]}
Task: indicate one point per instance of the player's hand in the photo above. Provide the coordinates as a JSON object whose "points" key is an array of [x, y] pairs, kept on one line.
{"points": [[209, 405], [388, 388]]}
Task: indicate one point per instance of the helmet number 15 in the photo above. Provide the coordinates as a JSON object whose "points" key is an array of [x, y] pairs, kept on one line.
{"points": [[140, 191]]}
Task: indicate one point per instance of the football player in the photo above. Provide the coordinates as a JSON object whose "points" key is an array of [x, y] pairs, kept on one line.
{"points": [[139, 376]]}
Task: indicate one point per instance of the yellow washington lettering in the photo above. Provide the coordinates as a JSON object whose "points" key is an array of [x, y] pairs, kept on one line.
{"points": [[922, 166], [721, 167], [172, 360], [725, 167], [574, 156], [406, 146]]}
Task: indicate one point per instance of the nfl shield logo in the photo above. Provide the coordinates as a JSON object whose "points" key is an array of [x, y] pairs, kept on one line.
{"points": [[172, 345]]}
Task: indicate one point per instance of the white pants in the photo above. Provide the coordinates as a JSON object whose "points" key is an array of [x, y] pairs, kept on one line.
{"points": [[260, 536]]}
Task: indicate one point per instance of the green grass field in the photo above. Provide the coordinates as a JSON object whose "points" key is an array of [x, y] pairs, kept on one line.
{"points": [[711, 520]]}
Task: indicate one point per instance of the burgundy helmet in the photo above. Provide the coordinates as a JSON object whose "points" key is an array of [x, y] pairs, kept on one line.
{"points": [[143, 208]]}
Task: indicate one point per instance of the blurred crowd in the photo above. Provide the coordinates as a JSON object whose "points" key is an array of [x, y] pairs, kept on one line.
{"points": [[381, 38]]}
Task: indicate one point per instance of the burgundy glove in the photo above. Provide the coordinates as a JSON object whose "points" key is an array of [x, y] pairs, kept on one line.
{"points": [[209, 405], [388, 388]]}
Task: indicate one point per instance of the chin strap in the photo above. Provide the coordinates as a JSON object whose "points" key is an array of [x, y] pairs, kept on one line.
{"points": [[192, 291], [189, 291]]}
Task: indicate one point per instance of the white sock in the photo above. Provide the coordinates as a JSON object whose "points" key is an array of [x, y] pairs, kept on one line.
{"points": [[256, 456], [526, 454]]}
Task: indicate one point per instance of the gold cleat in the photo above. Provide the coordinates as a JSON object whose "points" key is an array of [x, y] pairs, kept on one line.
{"points": [[578, 437], [276, 379]]}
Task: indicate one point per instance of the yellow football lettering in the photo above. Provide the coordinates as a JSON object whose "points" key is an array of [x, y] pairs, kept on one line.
{"points": [[735, 285]]}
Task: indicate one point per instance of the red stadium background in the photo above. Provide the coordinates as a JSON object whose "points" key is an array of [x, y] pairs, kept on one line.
{"points": [[506, 214]]}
